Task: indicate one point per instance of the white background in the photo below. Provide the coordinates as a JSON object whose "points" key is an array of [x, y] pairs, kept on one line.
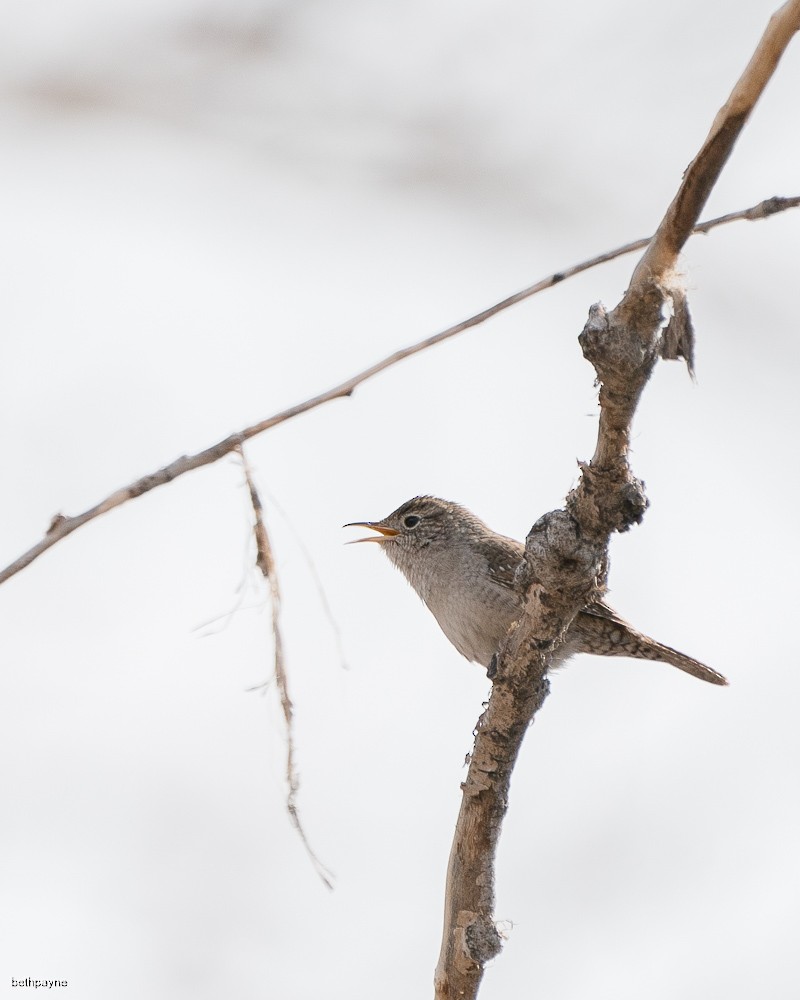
{"points": [[212, 211]]}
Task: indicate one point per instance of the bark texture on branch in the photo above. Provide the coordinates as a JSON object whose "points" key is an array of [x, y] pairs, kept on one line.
{"points": [[566, 557]]}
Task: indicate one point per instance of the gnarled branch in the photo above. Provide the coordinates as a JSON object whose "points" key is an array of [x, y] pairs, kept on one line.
{"points": [[566, 550]]}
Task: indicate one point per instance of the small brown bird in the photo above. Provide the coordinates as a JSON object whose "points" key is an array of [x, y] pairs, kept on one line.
{"points": [[464, 572]]}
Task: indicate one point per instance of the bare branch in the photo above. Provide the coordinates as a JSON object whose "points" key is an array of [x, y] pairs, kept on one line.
{"points": [[266, 564], [62, 526], [702, 173], [566, 551]]}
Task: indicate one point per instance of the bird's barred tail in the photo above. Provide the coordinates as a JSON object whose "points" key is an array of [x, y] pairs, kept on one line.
{"points": [[599, 629], [653, 650]]}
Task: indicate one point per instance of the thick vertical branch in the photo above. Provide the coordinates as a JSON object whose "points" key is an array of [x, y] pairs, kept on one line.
{"points": [[470, 937], [473, 938], [566, 551]]}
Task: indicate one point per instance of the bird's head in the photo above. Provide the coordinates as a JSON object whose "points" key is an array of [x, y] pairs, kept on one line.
{"points": [[422, 524]]}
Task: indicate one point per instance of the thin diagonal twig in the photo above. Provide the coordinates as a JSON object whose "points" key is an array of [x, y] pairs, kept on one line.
{"points": [[266, 563], [62, 526]]}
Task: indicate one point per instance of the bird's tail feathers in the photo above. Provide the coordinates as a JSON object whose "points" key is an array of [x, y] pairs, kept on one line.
{"points": [[652, 650]]}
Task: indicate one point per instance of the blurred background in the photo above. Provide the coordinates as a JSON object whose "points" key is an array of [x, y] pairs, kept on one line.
{"points": [[213, 211]]}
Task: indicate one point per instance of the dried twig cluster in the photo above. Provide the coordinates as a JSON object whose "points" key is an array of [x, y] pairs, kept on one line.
{"points": [[266, 563]]}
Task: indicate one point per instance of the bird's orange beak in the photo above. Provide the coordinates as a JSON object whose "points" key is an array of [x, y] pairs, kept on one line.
{"points": [[384, 533]]}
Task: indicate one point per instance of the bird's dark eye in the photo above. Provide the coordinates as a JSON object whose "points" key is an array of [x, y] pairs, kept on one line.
{"points": [[411, 521]]}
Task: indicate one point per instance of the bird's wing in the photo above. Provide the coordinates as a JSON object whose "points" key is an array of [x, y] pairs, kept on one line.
{"points": [[501, 570]]}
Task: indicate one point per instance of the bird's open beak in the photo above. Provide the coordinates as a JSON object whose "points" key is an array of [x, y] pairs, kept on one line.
{"points": [[384, 533]]}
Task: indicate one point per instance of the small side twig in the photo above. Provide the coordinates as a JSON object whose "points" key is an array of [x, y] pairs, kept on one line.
{"points": [[266, 563]]}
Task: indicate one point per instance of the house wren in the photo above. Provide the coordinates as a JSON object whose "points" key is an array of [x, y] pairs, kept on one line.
{"points": [[464, 572]]}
